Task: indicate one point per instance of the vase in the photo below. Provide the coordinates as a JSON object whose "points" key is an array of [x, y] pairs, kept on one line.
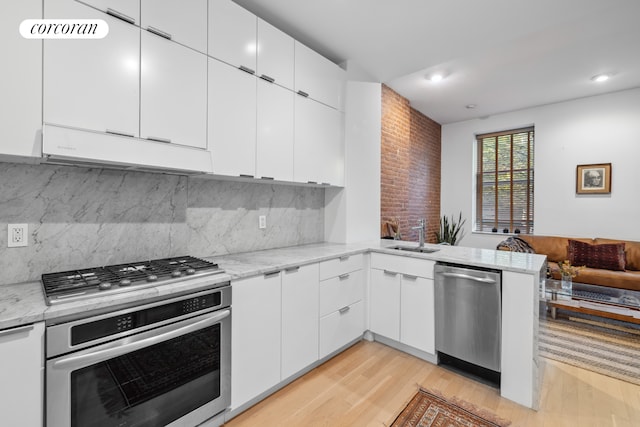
{"points": [[567, 282]]}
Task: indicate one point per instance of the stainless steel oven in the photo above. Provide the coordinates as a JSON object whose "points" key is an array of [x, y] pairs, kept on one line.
{"points": [[158, 364]]}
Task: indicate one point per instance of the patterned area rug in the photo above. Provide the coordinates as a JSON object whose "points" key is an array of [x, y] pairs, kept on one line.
{"points": [[606, 347], [430, 409]]}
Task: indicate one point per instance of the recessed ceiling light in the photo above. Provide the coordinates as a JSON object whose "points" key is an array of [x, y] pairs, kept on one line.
{"points": [[470, 106], [435, 78], [600, 78]]}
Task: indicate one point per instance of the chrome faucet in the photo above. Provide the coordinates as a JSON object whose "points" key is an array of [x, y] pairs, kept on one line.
{"points": [[420, 228]]}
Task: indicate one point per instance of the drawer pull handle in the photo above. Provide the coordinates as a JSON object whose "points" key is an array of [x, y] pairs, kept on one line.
{"points": [[326, 183], [16, 330], [158, 32], [244, 175], [303, 93], [158, 139], [267, 78], [271, 274], [343, 310], [269, 178], [247, 69], [120, 15], [344, 258], [343, 276], [392, 273], [312, 182], [291, 269], [119, 133], [409, 276]]}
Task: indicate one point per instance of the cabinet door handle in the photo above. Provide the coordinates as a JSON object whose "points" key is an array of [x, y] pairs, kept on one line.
{"points": [[159, 32], [244, 175], [303, 93], [344, 276], [271, 274], [119, 133], [312, 182], [267, 78], [391, 273], [16, 330], [409, 276], [270, 178], [292, 269], [326, 183], [344, 258], [247, 69], [120, 15], [158, 139], [343, 310]]}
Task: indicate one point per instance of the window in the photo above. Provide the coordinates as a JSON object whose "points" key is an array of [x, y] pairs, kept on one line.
{"points": [[504, 181]]}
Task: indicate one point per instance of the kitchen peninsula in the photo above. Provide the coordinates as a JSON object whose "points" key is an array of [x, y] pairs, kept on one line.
{"points": [[24, 304]]}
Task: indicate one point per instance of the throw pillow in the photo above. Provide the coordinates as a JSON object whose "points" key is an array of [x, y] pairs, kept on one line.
{"points": [[607, 256], [515, 244]]}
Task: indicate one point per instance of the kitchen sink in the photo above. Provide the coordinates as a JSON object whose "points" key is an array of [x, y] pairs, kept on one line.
{"points": [[414, 249]]}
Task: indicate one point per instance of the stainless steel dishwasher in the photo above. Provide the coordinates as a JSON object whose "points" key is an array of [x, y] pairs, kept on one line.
{"points": [[468, 317]]}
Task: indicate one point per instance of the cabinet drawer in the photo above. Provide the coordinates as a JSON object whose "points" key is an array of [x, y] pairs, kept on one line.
{"points": [[403, 265], [341, 327], [341, 265], [340, 291]]}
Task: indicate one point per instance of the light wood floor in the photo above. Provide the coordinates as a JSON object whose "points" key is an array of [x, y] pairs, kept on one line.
{"points": [[368, 384]]}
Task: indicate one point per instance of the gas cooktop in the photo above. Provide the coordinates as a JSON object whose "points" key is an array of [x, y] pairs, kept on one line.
{"points": [[97, 281]]}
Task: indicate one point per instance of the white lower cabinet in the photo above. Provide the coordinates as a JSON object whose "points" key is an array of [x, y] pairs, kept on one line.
{"points": [[22, 375], [384, 303], [255, 337], [402, 300], [274, 329], [341, 302], [300, 295], [341, 327]]}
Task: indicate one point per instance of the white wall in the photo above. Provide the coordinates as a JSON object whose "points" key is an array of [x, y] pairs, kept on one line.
{"points": [[352, 214], [599, 129]]}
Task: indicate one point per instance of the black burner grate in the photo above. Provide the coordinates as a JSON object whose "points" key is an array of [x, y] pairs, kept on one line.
{"points": [[143, 271]]}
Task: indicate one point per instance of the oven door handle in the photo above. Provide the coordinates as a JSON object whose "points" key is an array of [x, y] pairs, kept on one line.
{"points": [[128, 347]]}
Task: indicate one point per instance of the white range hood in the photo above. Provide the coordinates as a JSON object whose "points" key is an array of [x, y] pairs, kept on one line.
{"points": [[70, 146]]}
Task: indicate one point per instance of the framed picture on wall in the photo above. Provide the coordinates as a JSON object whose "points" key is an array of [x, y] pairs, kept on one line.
{"points": [[593, 179]]}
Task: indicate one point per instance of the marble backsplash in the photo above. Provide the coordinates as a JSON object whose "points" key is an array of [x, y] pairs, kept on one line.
{"points": [[81, 217]]}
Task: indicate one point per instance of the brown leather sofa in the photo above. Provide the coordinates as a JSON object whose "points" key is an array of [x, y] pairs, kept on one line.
{"points": [[556, 250]]}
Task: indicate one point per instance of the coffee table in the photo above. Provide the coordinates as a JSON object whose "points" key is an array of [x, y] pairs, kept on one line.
{"points": [[613, 303]]}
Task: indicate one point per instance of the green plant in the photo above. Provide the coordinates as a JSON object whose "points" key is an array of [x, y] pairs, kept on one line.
{"points": [[450, 231]]}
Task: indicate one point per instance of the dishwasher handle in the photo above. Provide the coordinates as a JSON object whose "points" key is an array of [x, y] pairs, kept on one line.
{"points": [[467, 276]]}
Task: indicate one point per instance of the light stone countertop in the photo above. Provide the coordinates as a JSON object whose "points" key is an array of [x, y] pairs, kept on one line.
{"points": [[24, 303]]}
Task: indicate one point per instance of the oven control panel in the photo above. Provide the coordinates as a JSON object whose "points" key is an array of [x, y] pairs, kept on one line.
{"points": [[112, 325]]}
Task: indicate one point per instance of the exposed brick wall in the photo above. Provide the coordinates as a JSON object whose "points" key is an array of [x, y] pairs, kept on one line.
{"points": [[410, 166]]}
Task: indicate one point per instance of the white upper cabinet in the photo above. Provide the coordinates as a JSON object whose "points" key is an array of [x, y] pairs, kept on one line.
{"points": [[317, 77], [184, 22], [275, 55], [232, 34], [21, 83], [318, 146], [173, 95], [232, 120], [92, 84], [274, 142], [129, 10]]}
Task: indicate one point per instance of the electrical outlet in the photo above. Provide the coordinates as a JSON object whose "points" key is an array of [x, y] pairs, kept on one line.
{"points": [[262, 221], [17, 235]]}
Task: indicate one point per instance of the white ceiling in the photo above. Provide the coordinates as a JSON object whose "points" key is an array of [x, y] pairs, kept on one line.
{"points": [[501, 55]]}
